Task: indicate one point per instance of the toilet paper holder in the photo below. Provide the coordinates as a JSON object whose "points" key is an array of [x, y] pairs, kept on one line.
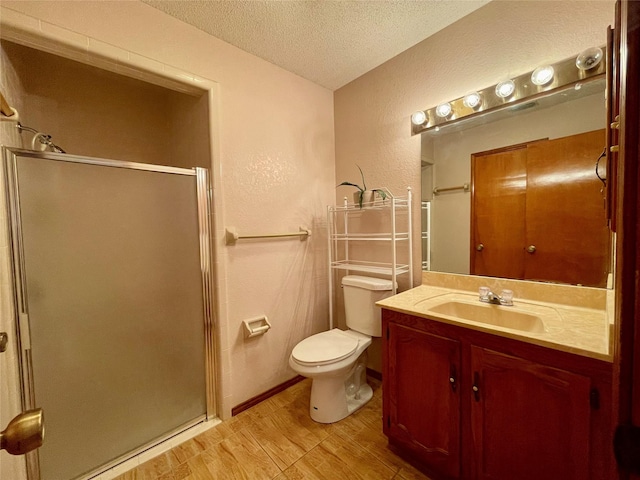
{"points": [[256, 326]]}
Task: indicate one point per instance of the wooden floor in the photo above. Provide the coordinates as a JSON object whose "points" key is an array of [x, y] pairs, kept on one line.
{"points": [[277, 439]]}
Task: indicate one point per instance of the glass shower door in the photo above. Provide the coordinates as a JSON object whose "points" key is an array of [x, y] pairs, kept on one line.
{"points": [[111, 317]]}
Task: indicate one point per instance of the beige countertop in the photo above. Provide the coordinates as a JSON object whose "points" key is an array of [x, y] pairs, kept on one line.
{"points": [[579, 330]]}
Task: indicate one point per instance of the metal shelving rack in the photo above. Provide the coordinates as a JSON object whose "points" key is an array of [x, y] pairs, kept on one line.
{"points": [[426, 235], [340, 236]]}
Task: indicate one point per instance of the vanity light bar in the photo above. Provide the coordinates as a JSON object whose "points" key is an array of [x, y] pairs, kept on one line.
{"points": [[564, 74]]}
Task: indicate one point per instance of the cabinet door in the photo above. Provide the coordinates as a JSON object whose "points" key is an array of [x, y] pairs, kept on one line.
{"points": [[424, 397], [529, 421]]}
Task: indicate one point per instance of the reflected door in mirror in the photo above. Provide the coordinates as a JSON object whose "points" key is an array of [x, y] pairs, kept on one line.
{"points": [[562, 236]]}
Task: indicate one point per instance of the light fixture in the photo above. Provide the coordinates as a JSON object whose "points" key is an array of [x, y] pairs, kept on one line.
{"points": [[505, 89], [575, 72], [589, 59], [24, 433], [418, 118], [472, 100], [542, 75], [443, 110]]}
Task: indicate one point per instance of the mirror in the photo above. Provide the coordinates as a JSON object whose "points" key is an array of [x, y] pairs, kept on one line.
{"points": [[460, 220]]}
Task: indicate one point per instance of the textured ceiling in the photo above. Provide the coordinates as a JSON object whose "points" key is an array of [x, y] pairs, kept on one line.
{"points": [[330, 42]]}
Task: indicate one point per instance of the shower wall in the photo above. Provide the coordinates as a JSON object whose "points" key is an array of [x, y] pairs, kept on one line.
{"points": [[93, 112]]}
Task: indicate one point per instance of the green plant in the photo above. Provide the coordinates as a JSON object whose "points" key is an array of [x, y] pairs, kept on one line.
{"points": [[363, 188]]}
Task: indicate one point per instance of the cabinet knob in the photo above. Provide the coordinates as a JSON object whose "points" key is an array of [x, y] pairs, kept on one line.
{"points": [[614, 148], [475, 388], [479, 247], [452, 377], [531, 248]]}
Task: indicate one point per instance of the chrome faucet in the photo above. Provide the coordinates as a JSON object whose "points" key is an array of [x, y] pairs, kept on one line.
{"points": [[505, 298]]}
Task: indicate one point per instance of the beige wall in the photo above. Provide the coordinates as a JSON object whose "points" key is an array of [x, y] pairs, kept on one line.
{"points": [[276, 144]]}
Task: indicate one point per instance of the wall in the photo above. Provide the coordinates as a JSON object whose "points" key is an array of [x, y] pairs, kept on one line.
{"points": [[276, 172], [92, 112], [501, 39]]}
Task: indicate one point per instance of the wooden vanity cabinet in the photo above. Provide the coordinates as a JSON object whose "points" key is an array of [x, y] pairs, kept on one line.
{"points": [[528, 421], [423, 407], [466, 404]]}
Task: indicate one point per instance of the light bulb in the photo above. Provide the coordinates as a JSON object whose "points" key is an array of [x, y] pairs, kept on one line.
{"points": [[443, 110], [505, 89], [472, 100], [542, 75], [589, 59], [418, 118]]}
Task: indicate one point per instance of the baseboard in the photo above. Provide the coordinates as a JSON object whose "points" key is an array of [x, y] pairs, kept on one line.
{"points": [[263, 396], [373, 374]]}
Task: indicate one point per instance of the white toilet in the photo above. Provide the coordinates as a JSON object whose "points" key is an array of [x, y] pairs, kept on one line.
{"points": [[336, 359]]}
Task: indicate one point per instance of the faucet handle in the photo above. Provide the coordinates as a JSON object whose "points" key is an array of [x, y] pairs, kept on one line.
{"points": [[483, 293], [507, 297]]}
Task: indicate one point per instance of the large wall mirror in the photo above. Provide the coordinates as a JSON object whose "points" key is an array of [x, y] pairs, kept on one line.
{"points": [[516, 194]]}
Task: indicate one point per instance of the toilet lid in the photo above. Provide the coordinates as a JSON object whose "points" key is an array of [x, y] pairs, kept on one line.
{"points": [[323, 348]]}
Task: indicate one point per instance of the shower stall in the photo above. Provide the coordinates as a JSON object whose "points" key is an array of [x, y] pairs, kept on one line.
{"points": [[113, 304]]}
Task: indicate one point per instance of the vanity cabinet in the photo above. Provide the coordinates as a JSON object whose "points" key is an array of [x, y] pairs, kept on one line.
{"points": [[466, 404], [528, 421], [424, 397]]}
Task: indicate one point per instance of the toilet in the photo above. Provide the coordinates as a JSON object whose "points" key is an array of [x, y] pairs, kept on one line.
{"points": [[336, 360]]}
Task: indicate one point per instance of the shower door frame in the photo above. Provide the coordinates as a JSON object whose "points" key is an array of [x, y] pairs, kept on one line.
{"points": [[9, 157]]}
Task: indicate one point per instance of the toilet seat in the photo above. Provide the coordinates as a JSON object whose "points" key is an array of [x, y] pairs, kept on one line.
{"points": [[325, 348]]}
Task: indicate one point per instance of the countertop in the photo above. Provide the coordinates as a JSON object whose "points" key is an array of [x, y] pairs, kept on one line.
{"points": [[582, 331]]}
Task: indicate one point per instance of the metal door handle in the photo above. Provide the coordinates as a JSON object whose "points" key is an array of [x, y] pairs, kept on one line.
{"points": [[479, 247], [24, 433], [531, 248]]}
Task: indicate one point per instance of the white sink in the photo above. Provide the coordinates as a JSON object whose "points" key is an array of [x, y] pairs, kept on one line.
{"points": [[505, 317]]}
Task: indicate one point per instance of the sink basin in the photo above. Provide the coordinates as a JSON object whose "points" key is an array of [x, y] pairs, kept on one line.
{"points": [[504, 317]]}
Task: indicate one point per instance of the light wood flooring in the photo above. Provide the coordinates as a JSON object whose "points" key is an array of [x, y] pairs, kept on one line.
{"points": [[277, 439]]}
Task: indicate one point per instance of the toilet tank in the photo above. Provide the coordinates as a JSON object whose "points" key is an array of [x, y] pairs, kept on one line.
{"points": [[360, 295]]}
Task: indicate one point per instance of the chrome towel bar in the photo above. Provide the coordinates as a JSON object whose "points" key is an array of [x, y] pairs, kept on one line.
{"points": [[464, 186], [231, 235]]}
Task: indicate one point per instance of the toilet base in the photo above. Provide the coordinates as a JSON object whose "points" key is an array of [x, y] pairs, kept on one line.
{"points": [[330, 402]]}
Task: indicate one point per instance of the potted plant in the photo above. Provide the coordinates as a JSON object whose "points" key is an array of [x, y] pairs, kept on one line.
{"points": [[364, 195]]}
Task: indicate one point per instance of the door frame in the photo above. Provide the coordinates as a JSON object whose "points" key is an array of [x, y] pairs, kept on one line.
{"points": [[626, 336]]}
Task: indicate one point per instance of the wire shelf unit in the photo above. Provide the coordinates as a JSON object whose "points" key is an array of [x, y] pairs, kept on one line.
{"points": [[350, 228]]}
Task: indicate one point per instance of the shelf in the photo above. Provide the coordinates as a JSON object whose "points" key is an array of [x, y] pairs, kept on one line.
{"points": [[377, 205], [369, 267], [352, 228], [369, 236]]}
